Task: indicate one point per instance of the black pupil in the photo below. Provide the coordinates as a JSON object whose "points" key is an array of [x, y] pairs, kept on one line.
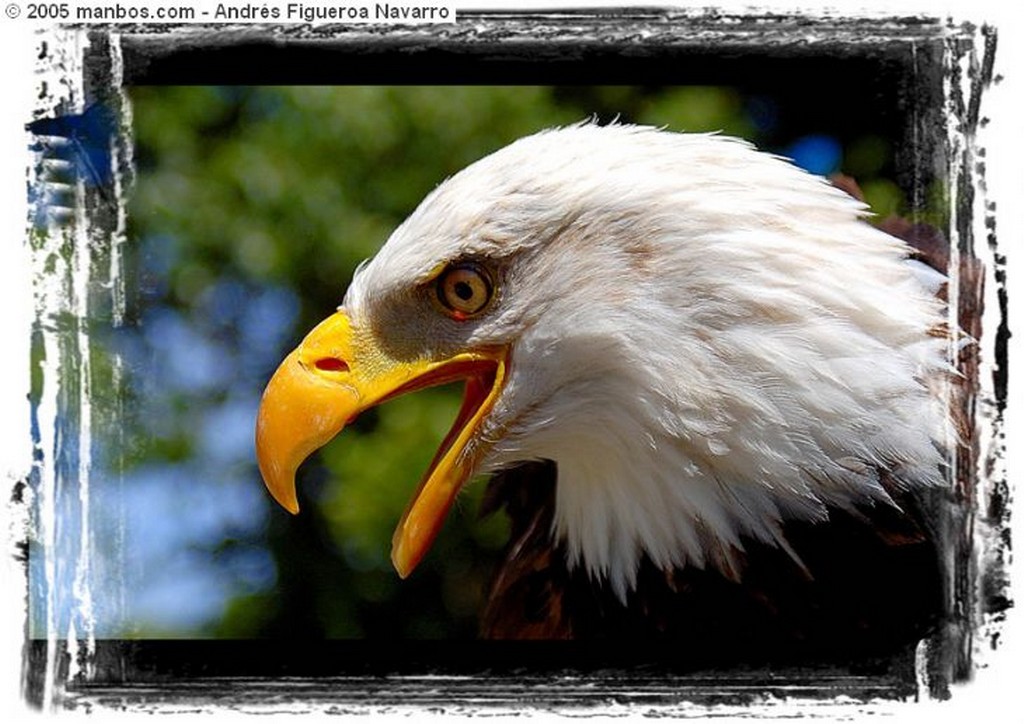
{"points": [[464, 291]]}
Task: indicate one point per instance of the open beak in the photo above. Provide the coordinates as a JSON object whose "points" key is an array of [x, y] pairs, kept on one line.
{"points": [[336, 373]]}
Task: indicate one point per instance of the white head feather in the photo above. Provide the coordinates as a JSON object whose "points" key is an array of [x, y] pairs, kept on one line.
{"points": [[707, 340]]}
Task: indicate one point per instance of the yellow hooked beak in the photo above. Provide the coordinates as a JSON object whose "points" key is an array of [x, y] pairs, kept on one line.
{"points": [[336, 373]]}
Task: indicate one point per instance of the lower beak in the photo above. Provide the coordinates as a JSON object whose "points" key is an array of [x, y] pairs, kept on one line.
{"points": [[336, 373]]}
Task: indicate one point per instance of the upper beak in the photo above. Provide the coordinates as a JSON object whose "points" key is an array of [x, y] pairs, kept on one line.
{"points": [[336, 373]]}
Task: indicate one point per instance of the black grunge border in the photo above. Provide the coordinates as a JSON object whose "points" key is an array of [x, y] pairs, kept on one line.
{"points": [[937, 70]]}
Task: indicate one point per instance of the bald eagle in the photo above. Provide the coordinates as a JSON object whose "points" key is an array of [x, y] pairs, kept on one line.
{"points": [[710, 393]]}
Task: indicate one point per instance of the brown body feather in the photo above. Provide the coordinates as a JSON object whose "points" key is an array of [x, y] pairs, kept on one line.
{"points": [[870, 584]]}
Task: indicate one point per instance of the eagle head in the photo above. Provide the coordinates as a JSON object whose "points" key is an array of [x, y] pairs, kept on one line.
{"points": [[707, 341]]}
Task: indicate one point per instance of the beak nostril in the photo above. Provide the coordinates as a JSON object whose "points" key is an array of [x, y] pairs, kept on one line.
{"points": [[331, 364]]}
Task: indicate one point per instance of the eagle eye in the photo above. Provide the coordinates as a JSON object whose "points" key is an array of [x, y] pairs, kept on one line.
{"points": [[464, 289]]}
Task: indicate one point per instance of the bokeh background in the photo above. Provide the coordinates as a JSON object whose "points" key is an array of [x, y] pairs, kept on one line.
{"points": [[250, 209]]}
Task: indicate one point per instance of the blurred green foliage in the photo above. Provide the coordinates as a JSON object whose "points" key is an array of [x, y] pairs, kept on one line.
{"points": [[241, 190]]}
